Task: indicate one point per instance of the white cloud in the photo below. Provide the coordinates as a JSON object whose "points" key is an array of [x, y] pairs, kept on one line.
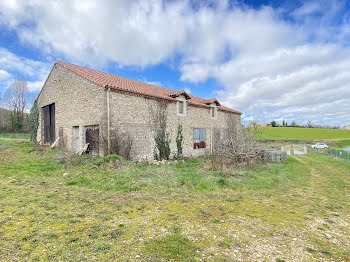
{"points": [[269, 67], [4, 75], [34, 71]]}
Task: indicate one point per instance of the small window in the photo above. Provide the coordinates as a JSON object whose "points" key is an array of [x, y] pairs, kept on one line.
{"points": [[198, 138], [213, 113], [181, 107]]}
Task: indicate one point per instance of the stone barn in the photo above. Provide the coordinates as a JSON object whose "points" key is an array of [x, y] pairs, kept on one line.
{"points": [[78, 105]]}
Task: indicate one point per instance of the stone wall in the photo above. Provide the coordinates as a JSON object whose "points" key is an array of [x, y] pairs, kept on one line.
{"points": [[79, 102], [131, 113]]}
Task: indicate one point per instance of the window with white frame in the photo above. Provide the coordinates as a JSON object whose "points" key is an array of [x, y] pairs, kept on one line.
{"points": [[213, 112], [199, 138], [181, 107]]}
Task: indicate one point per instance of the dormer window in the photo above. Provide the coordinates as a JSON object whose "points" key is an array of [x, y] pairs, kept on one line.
{"points": [[181, 106], [213, 112], [181, 97]]}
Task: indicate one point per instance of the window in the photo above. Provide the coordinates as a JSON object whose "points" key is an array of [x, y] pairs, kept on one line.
{"points": [[213, 112], [181, 108], [198, 138]]}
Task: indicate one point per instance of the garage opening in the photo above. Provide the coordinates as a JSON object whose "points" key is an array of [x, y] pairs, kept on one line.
{"points": [[49, 124]]}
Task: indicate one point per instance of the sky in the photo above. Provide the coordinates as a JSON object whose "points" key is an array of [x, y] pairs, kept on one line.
{"points": [[272, 60]]}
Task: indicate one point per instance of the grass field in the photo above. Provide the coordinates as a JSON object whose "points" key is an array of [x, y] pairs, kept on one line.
{"points": [[341, 137], [76, 208], [15, 135]]}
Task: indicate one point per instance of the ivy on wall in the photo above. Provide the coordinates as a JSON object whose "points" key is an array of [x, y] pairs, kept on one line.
{"points": [[179, 141]]}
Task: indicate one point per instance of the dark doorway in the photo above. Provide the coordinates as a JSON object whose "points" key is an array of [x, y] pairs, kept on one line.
{"points": [[92, 136], [49, 124]]}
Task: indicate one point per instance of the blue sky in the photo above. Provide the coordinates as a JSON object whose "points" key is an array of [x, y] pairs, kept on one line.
{"points": [[270, 59]]}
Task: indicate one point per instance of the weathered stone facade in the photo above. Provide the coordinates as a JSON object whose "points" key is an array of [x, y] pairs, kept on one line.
{"points": [[82, 103], [78, 102]]}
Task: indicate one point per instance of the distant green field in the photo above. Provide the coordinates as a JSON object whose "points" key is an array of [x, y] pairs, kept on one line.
{"points": [[305, 134], [15, 135]]}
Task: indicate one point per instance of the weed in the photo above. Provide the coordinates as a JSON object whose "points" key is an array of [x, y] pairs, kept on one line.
{"points": [[310, 250], [222, 182], [280, 260], [107, 159], [174, 246], [102, 246], [116, 233], [108, 214], [325, 252]]}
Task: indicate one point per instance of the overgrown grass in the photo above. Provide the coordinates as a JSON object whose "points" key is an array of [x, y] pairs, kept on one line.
{"points": [[15, 135], [54, 206], [341, 144], [175, 246]]}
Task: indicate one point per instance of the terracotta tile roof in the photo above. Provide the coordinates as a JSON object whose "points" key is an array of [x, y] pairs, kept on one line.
{"points": [[128, 85], [212, 100], [179, 93]]}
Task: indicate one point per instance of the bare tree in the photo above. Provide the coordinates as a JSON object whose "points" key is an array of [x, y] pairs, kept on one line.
{"points": [[158, 116], [237, 146], [253, 123], [16, 101], [120, 140]]}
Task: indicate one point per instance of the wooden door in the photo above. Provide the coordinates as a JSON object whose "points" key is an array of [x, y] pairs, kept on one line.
{"points": [[52, 124], [75, 139], [92, 137], [49, 124]]}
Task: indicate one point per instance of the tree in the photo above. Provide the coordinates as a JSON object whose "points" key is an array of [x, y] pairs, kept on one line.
{"points": [[283, 123], [254, 123], [309, 124], [237, 147], [273, 123], [158, 119], [16, 101], [179, 141], [294, 124]]}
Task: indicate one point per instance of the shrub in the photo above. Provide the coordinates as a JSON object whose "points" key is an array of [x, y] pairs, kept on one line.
{"points": [[172, 247], [179, 141], [162, 140], [238, 148], [34, 121], [107, 159]]}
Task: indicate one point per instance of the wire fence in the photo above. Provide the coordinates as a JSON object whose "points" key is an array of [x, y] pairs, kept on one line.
{"points": [[340, 154], [303, 149]]}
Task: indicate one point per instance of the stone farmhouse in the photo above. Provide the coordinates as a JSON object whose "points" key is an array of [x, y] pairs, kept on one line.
{"points": [[76, 102]]}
